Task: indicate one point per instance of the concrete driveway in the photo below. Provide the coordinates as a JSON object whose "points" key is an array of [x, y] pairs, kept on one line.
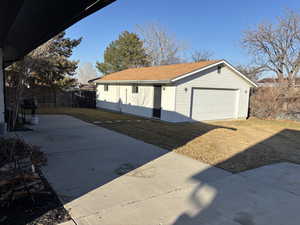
{"points": [[165, 188]]}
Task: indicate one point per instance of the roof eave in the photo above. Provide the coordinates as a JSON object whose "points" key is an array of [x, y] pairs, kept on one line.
{"points": [[133, 82], [13, 53], [213, 65], [241, 74]]}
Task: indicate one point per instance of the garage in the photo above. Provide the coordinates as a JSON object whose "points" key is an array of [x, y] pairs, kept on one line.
{"points": [[205, 90], [214, 104]]}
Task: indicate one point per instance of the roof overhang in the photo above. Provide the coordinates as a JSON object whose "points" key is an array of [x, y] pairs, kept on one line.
{"points": [[214, 65], [134, 82], [221, 62], [26, 24]]}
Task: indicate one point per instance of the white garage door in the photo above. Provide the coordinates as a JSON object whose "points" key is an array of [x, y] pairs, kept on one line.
{"points": [[214, 104]]}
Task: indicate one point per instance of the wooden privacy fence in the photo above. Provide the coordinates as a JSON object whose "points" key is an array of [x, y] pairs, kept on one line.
{"points": [[47, 97], [84, 99]]}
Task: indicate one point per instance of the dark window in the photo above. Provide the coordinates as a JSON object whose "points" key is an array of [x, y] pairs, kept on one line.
{"points": [[105, 87], [135, 89], [219, 68]]}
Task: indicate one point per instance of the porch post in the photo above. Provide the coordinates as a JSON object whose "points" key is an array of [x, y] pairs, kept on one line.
{"points": [[2, 103]]}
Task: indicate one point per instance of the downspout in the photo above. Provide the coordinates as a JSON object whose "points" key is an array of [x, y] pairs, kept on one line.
{"points": [[3, 127], [119, 97]]}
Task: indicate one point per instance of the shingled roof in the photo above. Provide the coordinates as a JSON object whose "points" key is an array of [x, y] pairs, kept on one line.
{"points": [[156, 73]]}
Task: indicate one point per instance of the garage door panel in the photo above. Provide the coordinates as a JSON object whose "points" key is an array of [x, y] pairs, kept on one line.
{"points": [[214, 104]]}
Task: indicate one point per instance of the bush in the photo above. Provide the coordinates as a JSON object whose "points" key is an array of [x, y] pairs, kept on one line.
{"points": [[266, 102], [12, 149], [274, 102]]}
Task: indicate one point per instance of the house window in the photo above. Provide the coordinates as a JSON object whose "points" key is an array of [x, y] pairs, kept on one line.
{"points": [[219, 69], [105, 87], [135, 89]]}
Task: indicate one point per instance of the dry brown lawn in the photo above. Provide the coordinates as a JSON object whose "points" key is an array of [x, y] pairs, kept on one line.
{"points": [[232, 145]]}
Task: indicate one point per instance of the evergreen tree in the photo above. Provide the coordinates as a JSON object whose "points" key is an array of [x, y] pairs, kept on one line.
{"points": [[52, 63], [49, 65], [125, 52]]}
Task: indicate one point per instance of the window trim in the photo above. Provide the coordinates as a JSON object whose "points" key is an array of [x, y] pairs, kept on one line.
{"points": [[135, 89], [219, 69], [105, 87]]}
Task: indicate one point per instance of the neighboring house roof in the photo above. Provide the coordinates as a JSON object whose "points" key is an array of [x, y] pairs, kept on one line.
{"points": [[87, 87], [268, 80], [276, 80], [94, 79], [163, 74]]}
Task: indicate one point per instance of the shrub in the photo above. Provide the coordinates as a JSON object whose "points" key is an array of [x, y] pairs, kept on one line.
{"points": [[266, 102], [274, 102]]}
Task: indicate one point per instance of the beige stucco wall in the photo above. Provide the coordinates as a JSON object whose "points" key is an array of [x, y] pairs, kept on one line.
{"points": [[119, 97], [168, 103]]}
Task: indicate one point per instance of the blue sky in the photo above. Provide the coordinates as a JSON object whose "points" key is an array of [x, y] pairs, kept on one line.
{"points": [[212, 25]]}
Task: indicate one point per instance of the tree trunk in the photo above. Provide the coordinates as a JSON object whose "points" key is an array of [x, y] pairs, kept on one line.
{"points": [[291, 80], [19, 90], [280, 79]]}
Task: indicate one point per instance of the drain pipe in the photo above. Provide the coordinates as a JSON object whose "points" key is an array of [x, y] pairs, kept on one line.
{"points": [[3, 126]]}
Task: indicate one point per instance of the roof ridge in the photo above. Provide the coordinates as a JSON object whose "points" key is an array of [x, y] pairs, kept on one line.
{"points": [[175, 64], [161, 72], [168, 65]]}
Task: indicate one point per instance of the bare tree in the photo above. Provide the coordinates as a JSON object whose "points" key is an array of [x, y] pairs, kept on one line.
{"points": [[276, 47], [161, 46], [201, 55], [86, 72], [252, 72]]}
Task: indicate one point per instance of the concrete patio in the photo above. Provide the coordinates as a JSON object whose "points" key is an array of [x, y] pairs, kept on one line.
{"points": [[165, 188]]}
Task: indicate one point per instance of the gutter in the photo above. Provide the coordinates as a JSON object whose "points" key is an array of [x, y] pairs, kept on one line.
{"points": [[134, 82]]}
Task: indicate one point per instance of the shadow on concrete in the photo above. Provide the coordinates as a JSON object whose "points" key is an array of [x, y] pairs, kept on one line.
{"points": [[265, 195], [82, 157], [234, 202]]}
